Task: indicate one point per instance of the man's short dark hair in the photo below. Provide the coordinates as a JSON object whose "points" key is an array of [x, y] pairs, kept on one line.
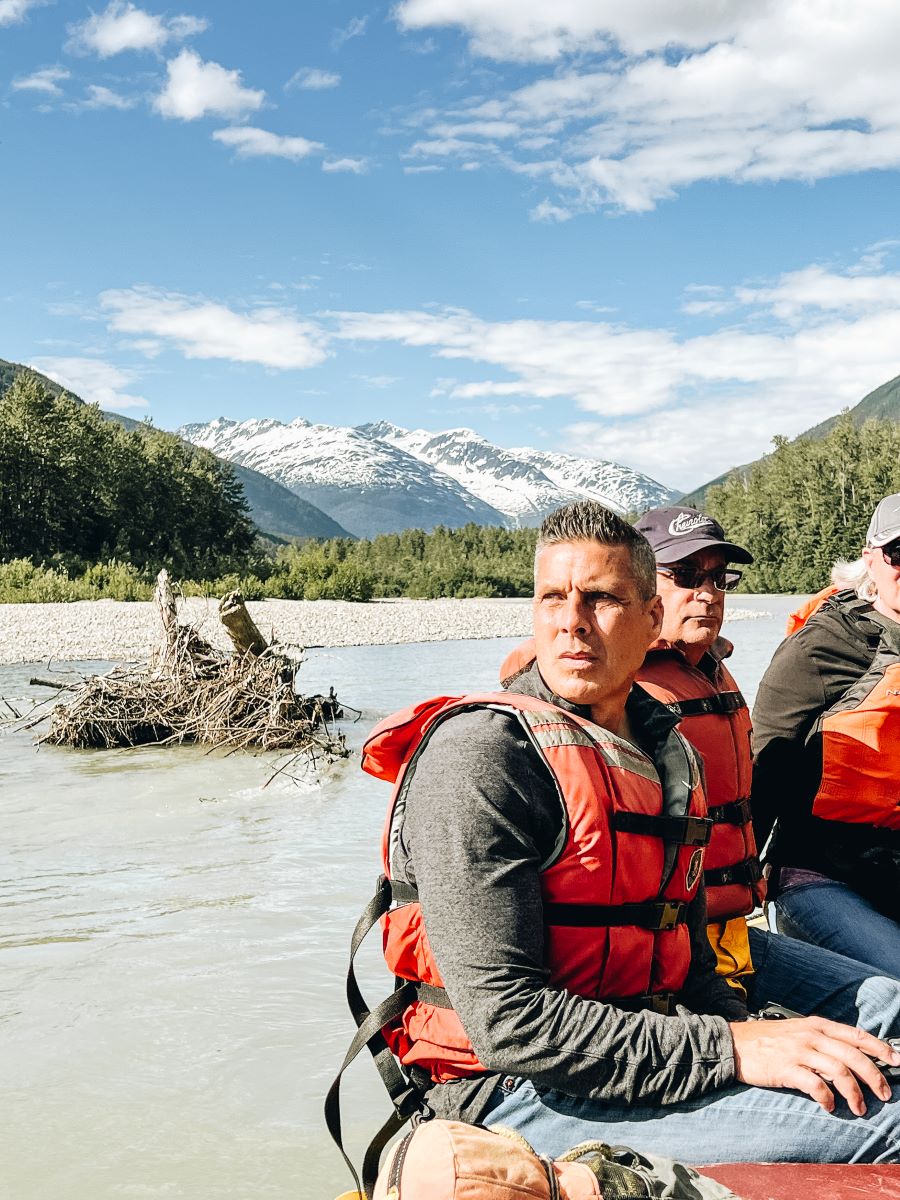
{"points": [[588, 521]]}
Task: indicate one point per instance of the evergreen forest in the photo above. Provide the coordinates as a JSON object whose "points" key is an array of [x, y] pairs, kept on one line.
{"points": [[76, 490], [90, 509], [808, 503]]}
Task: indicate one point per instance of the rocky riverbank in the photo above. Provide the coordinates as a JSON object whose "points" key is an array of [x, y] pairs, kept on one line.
{"points": [[113, 629]]}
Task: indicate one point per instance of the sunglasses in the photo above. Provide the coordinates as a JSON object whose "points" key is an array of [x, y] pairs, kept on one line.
{"points": [[891, 553], [693, 578]]}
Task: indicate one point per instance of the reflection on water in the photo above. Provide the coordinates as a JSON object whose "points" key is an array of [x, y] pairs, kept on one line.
{"points": [[173, 947]]}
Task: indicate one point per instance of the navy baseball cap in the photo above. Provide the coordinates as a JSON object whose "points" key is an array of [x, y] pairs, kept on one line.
{"points": [[677, 532]]}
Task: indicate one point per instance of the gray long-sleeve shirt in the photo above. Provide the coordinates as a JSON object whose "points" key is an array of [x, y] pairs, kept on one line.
{"points": [[482, 814]]}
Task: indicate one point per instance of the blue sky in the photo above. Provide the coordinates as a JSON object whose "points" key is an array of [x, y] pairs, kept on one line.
{"points": [[649, 232]]}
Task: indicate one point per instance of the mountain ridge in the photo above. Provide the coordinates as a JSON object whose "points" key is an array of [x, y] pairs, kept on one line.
{"points": [[882, 403], [380, 478]]}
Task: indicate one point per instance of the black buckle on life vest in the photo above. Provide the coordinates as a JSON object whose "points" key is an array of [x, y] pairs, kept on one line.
{"points": [[658, 1002], [746, 873], [686, 831], [660, 915], [671, 916], [722, 704], [737, 812]]}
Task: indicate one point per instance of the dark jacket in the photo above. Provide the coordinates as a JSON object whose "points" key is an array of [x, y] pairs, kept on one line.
{"points": [[482, 814], [810, 670]]}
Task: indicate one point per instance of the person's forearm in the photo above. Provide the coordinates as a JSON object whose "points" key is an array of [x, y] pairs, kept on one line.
{"points": [[588, 1048]]}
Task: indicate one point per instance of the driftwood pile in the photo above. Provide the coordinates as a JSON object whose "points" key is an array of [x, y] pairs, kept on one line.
{"points": [[193, 692]]}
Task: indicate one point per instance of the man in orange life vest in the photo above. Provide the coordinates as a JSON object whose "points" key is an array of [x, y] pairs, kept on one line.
{"points": [[684, 668], [545, 844]]}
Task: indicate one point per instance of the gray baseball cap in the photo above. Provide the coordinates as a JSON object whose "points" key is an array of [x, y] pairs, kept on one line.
{"points": [[885, 524]]}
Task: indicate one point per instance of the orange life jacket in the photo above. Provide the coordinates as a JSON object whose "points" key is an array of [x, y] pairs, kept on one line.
{"points": [[861, 739], [801, 615], [716, 721], [615, 890]]}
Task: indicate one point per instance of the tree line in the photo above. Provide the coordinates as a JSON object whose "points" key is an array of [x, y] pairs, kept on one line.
{"points": [[89, 509], [76, 489], [808, 503]]}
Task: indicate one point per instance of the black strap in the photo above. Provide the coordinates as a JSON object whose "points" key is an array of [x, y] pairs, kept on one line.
{"points": [[722, 703], [662, 915], [432, 995], [370, 1023], [658, 1002], [737, 812], [686, 831], [747, 872]]}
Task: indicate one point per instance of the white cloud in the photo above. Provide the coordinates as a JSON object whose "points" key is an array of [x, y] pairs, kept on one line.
{"points": [[683, 409], [249, 142], [356, 166], [549, 212], [378, 381], [202, 328], [313, 79], [429, 169], [537, 31], [799, 294], [104, 97], [122, 26], [46, 80], [353, 29], [93, 380], [750, 91], [14, 11], [195, 88]]}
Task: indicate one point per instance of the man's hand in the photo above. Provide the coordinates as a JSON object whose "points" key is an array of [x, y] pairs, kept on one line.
{"points": [[810, 1053]]}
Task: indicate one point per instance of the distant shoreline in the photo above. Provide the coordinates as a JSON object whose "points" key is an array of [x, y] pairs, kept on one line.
{"points": [[117, 630]]}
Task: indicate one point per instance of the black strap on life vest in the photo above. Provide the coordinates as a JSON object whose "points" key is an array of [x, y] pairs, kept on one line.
{"points": [[722, 703], [747, 872], [657, 915], [686, 831], [405, 1098], [736, 812]]}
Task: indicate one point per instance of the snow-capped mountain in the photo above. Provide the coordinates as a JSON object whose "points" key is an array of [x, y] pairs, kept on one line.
{"points": [[525, 484], [598, 479], [380, 478], [522, 492], [367, 485]]}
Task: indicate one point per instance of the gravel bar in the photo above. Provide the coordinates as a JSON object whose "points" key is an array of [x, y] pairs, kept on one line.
{"points": [[119, 630]]}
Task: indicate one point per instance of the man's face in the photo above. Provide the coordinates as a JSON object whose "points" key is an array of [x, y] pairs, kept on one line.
{"points": [[591, 626], [692, 617]]}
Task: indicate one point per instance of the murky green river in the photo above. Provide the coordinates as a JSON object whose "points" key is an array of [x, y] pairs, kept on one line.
{"points": [[174, 942]]}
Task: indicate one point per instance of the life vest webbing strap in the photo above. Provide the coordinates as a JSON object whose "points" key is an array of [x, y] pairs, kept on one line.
{"points": [[405, 1098], [747, 872], [686, 831], [661, 915], [658, 1002], [722, 703], [737, 812]]}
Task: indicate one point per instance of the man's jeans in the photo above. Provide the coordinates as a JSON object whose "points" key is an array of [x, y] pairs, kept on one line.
{"points": [[740, 1124], [832, 915], [816, 982]]}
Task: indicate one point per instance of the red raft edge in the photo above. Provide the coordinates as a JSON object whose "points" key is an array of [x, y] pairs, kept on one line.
{"points": [[805, 1181]]}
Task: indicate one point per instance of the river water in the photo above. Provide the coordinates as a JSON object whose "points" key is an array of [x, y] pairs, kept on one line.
{"points": [[174, 943]]}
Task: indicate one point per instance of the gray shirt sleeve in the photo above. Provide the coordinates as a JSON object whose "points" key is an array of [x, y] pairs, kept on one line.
{"points": [[481, 810]]}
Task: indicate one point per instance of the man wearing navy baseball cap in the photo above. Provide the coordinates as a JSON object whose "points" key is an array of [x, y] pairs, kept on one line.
{"points": [[684, 669]]}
